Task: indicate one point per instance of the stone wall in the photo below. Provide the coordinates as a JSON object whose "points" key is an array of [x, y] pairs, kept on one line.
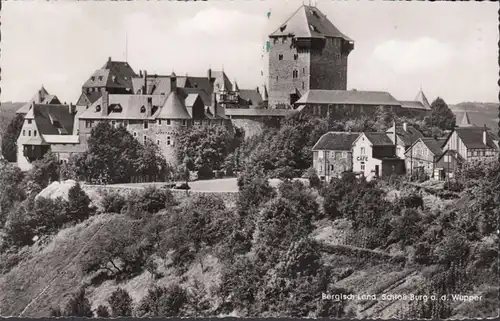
{"points": [[329, 66]]}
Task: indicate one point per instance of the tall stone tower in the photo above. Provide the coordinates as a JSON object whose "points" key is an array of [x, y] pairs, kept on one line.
{"points": [[307, 52]]}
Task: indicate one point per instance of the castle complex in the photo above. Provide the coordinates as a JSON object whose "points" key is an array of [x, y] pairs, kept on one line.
{"points": [[307, 74]]}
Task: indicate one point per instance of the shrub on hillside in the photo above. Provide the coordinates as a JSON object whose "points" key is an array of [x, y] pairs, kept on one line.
{"points": [[78, 204], [152, 199], [162, 302], [453, 248], [11, 189], [453, 186], [10, 136], [113, 202], [254, 190], [102, 312], [302, 198], [121, 303], [120, 248], [78, 305], [205, 172], [314, 180]]}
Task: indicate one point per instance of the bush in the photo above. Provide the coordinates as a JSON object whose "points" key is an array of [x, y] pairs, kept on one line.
{"points": [[78, 305], [453, 248], [120, 303], [78, 204], [314, 180], [162, 302], [113, 202], [152, 200], [205, 172], [453, 186], [102, 312]]}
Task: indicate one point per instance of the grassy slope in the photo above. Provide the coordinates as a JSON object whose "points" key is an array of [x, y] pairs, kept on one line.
{"points": [[44, 263]]}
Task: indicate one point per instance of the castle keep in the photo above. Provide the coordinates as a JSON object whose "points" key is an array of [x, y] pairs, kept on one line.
{"points": [[307, 52]]}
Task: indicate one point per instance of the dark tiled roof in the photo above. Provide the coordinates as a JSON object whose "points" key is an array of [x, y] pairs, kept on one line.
{"points": [[434, 145], [114, 74], [124, 107], [41, 97], [309, 22], [249, 112], [52, 119], [336, 141], [412, 104], [408, 137], [205, 97], [251, 95], [348, 97], [89, 98], [378, 139], [200, 83], [472, 137], [173, 108]]}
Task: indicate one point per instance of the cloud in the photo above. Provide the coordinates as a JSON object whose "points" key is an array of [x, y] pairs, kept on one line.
{"points": [[416, 56]]}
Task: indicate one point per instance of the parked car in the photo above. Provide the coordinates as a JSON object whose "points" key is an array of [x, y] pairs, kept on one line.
{"points": [[183, 186]]}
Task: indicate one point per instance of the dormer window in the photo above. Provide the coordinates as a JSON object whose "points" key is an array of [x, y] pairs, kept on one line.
{"points": [[100, 78], [282, 28], [280, 57], [113, 78], [313, 28], [98, 108], [143, 109], [92, 78], [117, 109]]}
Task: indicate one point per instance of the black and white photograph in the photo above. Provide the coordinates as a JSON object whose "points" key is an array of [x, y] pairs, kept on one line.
{"points": [[267, 159]]}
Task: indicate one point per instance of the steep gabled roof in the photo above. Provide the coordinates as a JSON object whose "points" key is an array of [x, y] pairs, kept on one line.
{"points": [[336, 141], [114, 74], [408, 136], [124, 107], [472, 137], [174, 108], [434, 145], [422, 99], [308, 22], [348, 97], [53, 119], [378, 139], [251, 95], [205, 97], [465, 120], [40, 97]]}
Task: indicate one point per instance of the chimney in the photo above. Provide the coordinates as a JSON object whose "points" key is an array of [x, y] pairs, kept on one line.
{"points": [[145, 84], [72, 108], [405, 126], [484, 135], [213, 105], [140, 73], [149, 107], [258, 90], [173, 81], [209, 74], [109, 59], [105, 103], [395, 136]]}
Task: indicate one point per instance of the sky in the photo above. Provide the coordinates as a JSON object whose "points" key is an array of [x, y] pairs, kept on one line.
{"points": [[447, 48]]}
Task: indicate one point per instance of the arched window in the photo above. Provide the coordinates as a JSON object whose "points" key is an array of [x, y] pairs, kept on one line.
{"points": [[98, 108], [295, 74], [143, 109]]}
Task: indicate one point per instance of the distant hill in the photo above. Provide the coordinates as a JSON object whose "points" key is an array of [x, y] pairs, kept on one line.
{"points": [[480, 114]]}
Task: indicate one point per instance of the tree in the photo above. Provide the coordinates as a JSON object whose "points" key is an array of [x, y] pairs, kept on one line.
{"points": [[207, 146], [11, 189], [43, 172], [78, 305], [162, 302], [10, 136], [441, 115], [121, 303], [78, 204]]}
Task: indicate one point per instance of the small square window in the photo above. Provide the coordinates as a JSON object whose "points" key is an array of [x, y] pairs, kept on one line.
{"points": [[280, 57], [168, 121], [29, 121]]}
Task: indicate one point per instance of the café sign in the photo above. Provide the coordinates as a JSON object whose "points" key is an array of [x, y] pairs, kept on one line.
{"points": [[362, 158]]}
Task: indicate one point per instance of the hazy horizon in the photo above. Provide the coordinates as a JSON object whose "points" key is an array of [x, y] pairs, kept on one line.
{"points": [[450, 49]]}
